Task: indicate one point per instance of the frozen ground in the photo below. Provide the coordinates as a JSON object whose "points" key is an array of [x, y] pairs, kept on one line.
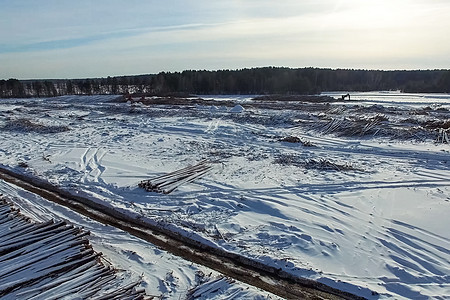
{"points": [[360, 202]]}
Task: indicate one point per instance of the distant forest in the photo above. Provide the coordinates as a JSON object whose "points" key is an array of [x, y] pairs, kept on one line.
{"points": [[268, 80]]}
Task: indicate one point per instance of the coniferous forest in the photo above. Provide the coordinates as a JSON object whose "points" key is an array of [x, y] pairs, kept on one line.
{"points": [[268, 80]]}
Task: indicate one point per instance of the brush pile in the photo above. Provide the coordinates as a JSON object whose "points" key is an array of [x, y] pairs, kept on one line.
{"points": [[353, 125], [53, 260], [295, 139], [166, 184], [315, 164], [26, 125], [324, 164]]}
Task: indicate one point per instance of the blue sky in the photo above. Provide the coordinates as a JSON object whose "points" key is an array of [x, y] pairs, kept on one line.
{"points": [[97, 38]]}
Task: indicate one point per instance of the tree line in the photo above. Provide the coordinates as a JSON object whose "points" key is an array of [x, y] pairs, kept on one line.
{"points": [[268, 80]]}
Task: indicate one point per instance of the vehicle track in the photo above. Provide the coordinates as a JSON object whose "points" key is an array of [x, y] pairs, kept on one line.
{"points": [[230, 264]]}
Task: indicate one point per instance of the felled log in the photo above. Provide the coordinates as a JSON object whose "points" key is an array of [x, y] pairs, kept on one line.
{"points": [[53, 260], [167, 183]]}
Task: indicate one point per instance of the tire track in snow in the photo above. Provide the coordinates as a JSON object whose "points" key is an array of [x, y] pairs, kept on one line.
{"points": [[213, 126], [406, 257], [91, 164]]}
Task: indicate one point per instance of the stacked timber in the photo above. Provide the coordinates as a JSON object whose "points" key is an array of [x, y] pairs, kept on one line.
{"points": [[167, 183], [53, 260]]}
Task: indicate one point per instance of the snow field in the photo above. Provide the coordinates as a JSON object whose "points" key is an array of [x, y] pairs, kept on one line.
{"points": [[379, 226]]}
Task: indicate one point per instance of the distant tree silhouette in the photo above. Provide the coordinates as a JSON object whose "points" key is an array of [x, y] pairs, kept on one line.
{"points": [[268, 80]]}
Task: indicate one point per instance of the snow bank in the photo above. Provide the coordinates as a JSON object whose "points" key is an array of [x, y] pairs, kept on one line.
{"points": [[237, 109]]}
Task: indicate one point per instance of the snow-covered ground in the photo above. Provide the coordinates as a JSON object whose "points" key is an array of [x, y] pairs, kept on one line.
{"points": [[162, 274], [360, 212]]}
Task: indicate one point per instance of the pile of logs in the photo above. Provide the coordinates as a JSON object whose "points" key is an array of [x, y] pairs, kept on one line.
{"points": [[167, 183], [53, 260]]}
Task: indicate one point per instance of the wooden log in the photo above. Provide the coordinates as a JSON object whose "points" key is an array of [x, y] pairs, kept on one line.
{"points": [[180, 171], [52, 259], [170, 189], [169, 182]]}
